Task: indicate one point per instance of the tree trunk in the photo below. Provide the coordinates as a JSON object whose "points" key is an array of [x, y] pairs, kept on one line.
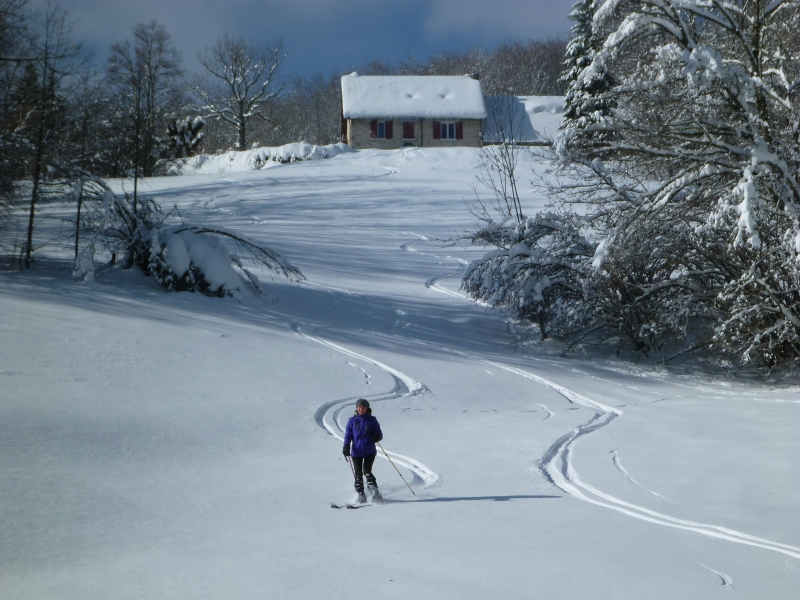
{"points": [[37, 164], [84, 127], [240, 144], [78, 221], [34, 195]]}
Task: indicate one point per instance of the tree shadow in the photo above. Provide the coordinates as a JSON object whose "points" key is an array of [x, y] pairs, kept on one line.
{"points": [[416, 326]]}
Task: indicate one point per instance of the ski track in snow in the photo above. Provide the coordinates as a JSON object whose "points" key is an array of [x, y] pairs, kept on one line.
{"points": [[327, 415], [433, 283], [549, 412], [618, 464], [329, 287], [727, 581], [567, 479], [367, 376]]}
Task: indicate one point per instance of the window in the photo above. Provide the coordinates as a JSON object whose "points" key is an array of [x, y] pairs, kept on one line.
{"points": [[381, 130], [408, 130], [448, 130]]}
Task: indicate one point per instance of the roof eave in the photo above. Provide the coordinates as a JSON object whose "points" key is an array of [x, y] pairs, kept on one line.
{"points": [[472, 117]]}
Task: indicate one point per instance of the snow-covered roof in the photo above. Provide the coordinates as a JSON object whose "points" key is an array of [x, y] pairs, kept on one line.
{"points": [[526, 119], [413, 97]]}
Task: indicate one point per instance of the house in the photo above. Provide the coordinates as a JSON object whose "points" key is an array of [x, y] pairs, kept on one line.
{"points": [[426, 111], [522, 120]]}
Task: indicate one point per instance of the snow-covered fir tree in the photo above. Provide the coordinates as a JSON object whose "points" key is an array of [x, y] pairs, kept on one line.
{"points": [[580, 46], [185, 136], [584, 100]]}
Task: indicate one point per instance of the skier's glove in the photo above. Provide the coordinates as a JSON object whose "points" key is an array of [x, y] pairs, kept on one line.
{"points": [[346, 450], [376, 438]]}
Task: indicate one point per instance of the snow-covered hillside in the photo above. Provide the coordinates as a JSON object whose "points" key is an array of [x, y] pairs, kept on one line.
{"points": [[178, 446]]}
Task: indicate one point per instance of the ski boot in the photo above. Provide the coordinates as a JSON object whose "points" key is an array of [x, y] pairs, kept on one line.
{"points": [[372, 486], [361, 498]]}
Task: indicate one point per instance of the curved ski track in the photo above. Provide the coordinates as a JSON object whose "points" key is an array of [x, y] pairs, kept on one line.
{"points": [[726, 579], [327, 415], [433, 283], [556, 466], [618, 464]]}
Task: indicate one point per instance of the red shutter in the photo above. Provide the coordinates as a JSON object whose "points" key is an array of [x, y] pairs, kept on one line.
{"points": [[459, 130], [389, 129], [437, 130], [408, 130], [373, 129]]}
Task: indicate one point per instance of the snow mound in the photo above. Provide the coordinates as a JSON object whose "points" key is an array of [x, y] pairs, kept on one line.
{"points": [[257, 158]]}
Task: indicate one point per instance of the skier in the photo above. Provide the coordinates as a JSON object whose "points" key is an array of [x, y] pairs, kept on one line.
{"points": [[364, 431]]}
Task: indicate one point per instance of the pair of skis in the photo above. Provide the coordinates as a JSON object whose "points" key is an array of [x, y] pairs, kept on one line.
{"points": [[350, 506], [354, 505]]}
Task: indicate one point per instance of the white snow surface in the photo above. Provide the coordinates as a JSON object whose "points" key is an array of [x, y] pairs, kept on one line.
{"points": [[157, 445], [531, 119], [412, 97]]}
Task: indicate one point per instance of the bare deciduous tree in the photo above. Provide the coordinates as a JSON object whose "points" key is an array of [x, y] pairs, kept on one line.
{"points": [[144, 79], [15, 54], [497, 171], [240, 83], [55, 60], [525, 69]]}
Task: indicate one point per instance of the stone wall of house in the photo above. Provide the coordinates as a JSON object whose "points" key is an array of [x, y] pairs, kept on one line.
{"points": [[358, 135]]}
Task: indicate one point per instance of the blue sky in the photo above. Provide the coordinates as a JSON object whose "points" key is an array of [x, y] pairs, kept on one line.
{"points": [[325, 35]]}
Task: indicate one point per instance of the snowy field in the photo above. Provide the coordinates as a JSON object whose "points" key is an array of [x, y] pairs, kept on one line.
{"points": [[159, 445]]}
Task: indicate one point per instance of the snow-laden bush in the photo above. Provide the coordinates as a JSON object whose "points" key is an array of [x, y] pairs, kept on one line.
{"points": [[181, 256], [256, 158], [296, 152], [536, 271]]}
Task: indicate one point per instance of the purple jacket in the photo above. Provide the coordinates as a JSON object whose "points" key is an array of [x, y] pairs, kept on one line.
{"points": [[361, 430]]}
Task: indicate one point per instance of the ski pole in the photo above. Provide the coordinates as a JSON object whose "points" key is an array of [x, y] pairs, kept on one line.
{"points": [[395, 468], [352, 470]]}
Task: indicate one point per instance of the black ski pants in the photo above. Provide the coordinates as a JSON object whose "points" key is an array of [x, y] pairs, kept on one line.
{"points": [[363, 469]]}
